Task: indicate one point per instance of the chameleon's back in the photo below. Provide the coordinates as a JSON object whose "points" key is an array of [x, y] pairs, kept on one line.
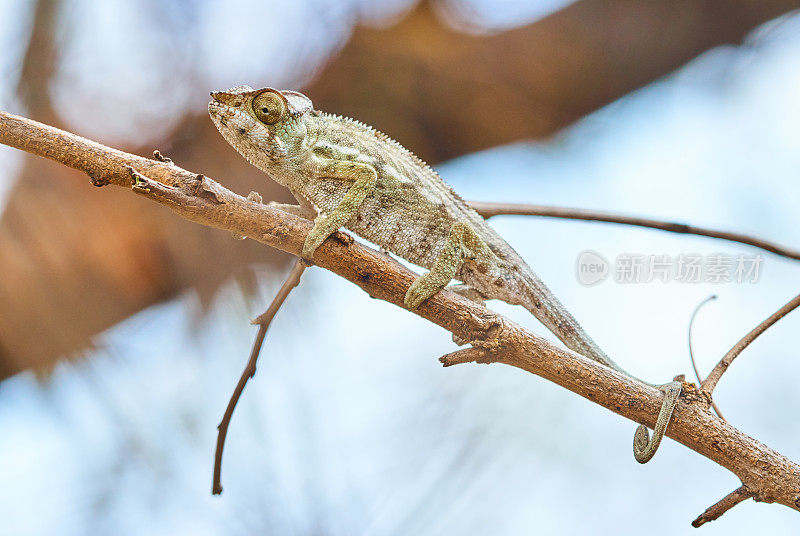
{"points": [[411, 212]]}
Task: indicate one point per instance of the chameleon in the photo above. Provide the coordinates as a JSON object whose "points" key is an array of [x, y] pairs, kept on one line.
{"points": [[346, 174]]}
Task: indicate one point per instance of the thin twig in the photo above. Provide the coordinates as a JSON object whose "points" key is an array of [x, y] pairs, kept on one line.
{"points": [[691, 326], [691, 352], [263, 322], [726, 503], [476, 354], [487, 210], [711, 381]]}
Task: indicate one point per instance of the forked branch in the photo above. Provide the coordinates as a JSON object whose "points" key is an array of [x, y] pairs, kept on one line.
{"points": [[716, 373]]}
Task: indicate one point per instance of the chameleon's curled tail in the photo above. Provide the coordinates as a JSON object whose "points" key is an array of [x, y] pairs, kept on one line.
{"points": [[538, 299]]}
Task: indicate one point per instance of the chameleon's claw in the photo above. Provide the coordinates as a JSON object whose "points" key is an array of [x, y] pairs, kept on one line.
{"points": [[313, 241], [416, 294]]}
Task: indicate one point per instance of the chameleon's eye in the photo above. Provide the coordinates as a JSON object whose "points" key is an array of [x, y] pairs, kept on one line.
{"points": [[269, 107]]}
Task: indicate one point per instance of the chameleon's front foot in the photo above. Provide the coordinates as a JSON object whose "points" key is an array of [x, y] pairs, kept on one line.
{"points": [[318, 234], [419, 291], [645, 447], [309, 247], [323, 228]]}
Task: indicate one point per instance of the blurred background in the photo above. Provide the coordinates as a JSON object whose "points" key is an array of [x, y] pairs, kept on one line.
{"points": [[122, 333]]}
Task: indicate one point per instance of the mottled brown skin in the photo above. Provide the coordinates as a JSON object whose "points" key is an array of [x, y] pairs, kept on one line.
{"points": [[347, 174]]}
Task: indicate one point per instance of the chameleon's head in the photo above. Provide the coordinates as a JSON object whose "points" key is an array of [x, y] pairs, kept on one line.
{"points": [[264, 125]]}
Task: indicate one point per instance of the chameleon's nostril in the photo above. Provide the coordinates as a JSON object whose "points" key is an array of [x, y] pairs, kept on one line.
{"points": [[221, 97]]}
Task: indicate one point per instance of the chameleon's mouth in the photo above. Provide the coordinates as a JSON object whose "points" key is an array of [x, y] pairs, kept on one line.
{"points": [[215, 103], [217, 111]]}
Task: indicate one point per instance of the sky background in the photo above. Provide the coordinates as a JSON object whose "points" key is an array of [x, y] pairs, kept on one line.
{"points": [[351, 426]]}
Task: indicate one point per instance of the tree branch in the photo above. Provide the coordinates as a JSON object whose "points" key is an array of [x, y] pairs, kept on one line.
{"points": [[716, 373], [691, 350], [487, 210], [263, 322], [726, 503], [769, 475]]}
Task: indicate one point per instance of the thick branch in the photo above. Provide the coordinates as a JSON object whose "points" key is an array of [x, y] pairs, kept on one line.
{"points": [[487, 210], [769, 475]]}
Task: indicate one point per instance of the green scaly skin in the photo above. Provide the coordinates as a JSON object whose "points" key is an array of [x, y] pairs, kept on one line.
{"points": [[347, 174]]}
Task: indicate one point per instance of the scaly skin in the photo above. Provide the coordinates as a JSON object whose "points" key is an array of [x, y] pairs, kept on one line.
{"points": [[347, 174]]}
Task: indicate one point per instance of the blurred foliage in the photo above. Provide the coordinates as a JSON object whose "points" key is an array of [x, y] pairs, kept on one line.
{"points": [[135, 73]]}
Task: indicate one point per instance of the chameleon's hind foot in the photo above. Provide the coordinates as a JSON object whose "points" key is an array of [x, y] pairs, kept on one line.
{"points": [[424, 287], [462, 243], [471, 294]]}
